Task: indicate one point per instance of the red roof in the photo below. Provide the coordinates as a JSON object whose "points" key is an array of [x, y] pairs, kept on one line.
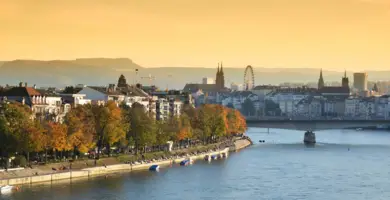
{"points": [[32, 92], [22, 92]]}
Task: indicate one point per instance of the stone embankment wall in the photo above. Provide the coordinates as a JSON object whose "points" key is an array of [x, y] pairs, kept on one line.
{"points": [[96, 171], [240, 144]]}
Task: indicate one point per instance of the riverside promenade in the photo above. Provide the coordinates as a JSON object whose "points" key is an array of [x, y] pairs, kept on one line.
{"points": [[104, 170]]}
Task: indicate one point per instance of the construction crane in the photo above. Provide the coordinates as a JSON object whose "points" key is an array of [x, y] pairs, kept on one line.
{"points": [[150, 78]]}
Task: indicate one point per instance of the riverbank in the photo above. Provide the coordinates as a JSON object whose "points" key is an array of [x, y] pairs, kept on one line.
{"points": [[110, 166]]}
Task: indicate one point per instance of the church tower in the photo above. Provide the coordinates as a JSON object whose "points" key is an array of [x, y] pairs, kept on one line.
{"points": [[345, 81], [321, 82], [222, 78], [217, 77]]}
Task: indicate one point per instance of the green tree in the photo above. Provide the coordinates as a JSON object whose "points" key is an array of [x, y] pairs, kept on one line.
{"points": [[110, 125], [248, 109], [142, 132]]}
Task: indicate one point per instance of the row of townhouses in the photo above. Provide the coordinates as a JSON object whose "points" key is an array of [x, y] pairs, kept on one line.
{"points": [[54, 104]]}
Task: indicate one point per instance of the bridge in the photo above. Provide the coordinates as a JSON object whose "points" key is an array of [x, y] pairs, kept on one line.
{"points": [[314, 125]]}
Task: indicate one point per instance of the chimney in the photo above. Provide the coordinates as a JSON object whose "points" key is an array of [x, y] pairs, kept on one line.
{"points": [[25, 84], [35, 86], [20, 84]]}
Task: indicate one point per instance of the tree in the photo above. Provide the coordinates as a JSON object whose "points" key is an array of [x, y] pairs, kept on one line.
{"points": [[81, 128], [184, 129], [110, 125], [142, 131], [58, 134], [248, 108]]}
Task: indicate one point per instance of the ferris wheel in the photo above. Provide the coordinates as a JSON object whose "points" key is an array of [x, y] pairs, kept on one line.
{"points": [[249, 78]]}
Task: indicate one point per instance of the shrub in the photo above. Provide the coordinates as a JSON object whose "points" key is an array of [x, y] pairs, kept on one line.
{"points": [[20, 161]]}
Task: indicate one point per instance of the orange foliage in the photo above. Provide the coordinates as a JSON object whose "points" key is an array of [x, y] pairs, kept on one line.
{"points": [[59, 136]]}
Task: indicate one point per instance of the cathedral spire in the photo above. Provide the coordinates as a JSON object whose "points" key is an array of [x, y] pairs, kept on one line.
{"points": [[345, 74], [321, 82]]}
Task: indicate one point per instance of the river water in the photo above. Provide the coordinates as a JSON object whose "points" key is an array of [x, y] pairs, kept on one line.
{"points": [[346, 164]]}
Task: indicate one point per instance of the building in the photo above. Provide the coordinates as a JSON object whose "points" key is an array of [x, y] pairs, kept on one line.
{"points": [[208, 93], [360, 81], [220, 78], [207, 80], [309, 107], [288, 98], [345, 81], [100, 95], [167, 108], [74, 99], [329, 91], [238, 98], [382, 107], [236, 87], [43, 103]]}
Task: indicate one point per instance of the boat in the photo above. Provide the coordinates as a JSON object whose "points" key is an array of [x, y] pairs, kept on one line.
{"points": [[185, 162], [6, 189], [309, 138], [154, 168], [207, 158], [214, 157]]}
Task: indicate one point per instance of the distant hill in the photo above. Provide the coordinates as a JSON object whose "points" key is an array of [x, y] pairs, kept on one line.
{"points": [[64, 72], [102, 71]]}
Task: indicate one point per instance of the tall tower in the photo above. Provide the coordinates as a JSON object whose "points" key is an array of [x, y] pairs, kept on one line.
{"points": [[222, 78], [321, 82], [345, 81], [217, 80]]}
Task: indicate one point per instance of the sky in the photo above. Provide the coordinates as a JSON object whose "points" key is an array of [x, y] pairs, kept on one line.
{"points": [[329, 34]]}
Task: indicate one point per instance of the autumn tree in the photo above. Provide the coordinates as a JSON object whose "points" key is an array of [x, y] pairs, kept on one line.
{"points": [[81, 128], [184, 127], [110, 125]]}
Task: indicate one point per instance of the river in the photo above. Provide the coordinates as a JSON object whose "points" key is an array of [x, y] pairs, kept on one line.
{"points": [[345, 164]]}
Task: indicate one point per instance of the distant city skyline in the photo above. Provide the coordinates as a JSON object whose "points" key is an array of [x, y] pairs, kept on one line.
{"points": [[328, 34]]}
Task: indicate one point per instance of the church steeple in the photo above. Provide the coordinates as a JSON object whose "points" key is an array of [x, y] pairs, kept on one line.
{"points": [[321, 82], [217, 76], [221, 78], [344, 80]]}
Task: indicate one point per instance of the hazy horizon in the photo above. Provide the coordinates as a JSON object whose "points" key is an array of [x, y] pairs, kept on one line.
{"points": [[329, 34]]}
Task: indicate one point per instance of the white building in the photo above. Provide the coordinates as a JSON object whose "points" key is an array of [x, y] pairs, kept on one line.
{"points": [[238, 98], [287, 101], [166, 108], [42, 103], [309, 107], [99, 95], [236, 87], [352, 107], [383, 107], [75, 99], [362, 108], [208, 80]]}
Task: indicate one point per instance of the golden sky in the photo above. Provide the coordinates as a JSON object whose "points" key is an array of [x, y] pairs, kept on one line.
{"points": [[331, 34]]}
